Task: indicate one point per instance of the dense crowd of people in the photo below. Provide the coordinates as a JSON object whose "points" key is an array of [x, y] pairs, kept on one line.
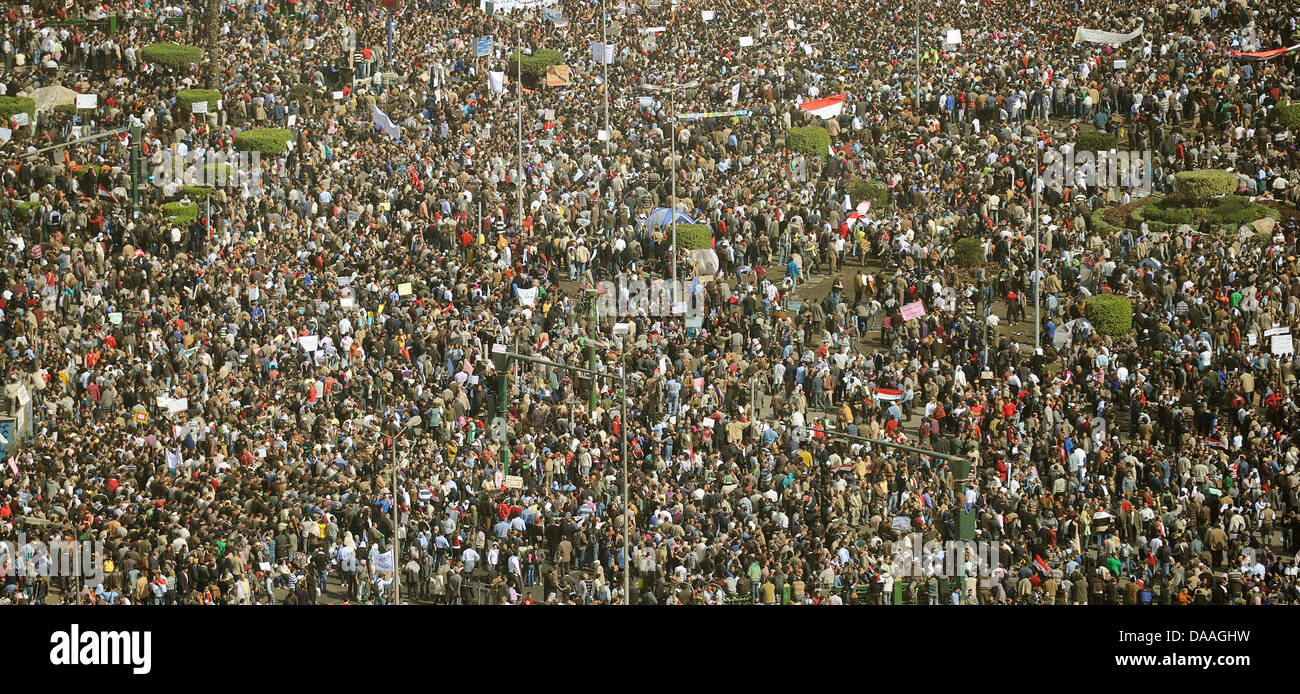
{"points": [[228, 403]]}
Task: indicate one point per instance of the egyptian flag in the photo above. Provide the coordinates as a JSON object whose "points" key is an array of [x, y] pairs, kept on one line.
{"points": [[1265, 55], [106, 193], [830, 107], [842, 467], [1042, 566], [888, 394]]}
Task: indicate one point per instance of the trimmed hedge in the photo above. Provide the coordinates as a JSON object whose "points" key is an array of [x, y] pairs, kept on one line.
{"points": [[193, 96], [693, 236], [1228, 212], [968, 252], [13, 105], [302, 92], [25, 210], [172, 55], [1203, 184], [866, 189], [264, 140], [1094, 141], [533, 66], [1110, 314], [1100, 224], [219, 174], [812, 140], [181, 213], [1289, 115], [199, 192]]}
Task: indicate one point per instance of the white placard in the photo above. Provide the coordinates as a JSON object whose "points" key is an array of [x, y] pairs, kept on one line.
{"points": [[199, 106], [953, 36], [293, 119], [347, 302], [310, 343], [338, 95], [746, 40], [87, 101], [602, 135], [1276, 331], [708, 15], [6, 134], [1282, 344], [1121, 64], [21, 119]]}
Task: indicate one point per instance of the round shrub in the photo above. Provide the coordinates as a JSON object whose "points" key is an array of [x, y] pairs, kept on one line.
{"points": [[812, 140], [1094, 141], [24, 210], [693, 237], [172, 55], [1289, 115], [180, 213], [302, 92], [968, 252], [189, 97], [533, 67], [264, 140], [13, 105], [866, 189], [199, 192], [1201, 185], [1100, 224], [1110, 314]]}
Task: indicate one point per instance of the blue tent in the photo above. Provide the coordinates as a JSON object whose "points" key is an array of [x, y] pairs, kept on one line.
{"points": [[662, 216]]}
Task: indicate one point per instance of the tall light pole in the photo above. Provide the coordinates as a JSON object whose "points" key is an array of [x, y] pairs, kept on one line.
{"points": [[1037, 284], [502, 358], [672, 165], [397, 520], [604, 60], [519, 116]]}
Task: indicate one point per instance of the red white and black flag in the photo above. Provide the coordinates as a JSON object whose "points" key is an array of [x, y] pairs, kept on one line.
{"points": [[830, 107], [1265, 55]]}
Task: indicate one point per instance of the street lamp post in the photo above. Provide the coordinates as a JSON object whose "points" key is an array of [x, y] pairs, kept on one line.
{"points": [[1037, 283], [672, 165], [505, 357], [519, 116], [604, 60]]}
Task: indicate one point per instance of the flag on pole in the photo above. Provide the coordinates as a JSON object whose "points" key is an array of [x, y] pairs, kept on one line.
{"points": [[888, 394], [497, 81], [383, 122], [830, 107], [1042, 565], [106, 193]]}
